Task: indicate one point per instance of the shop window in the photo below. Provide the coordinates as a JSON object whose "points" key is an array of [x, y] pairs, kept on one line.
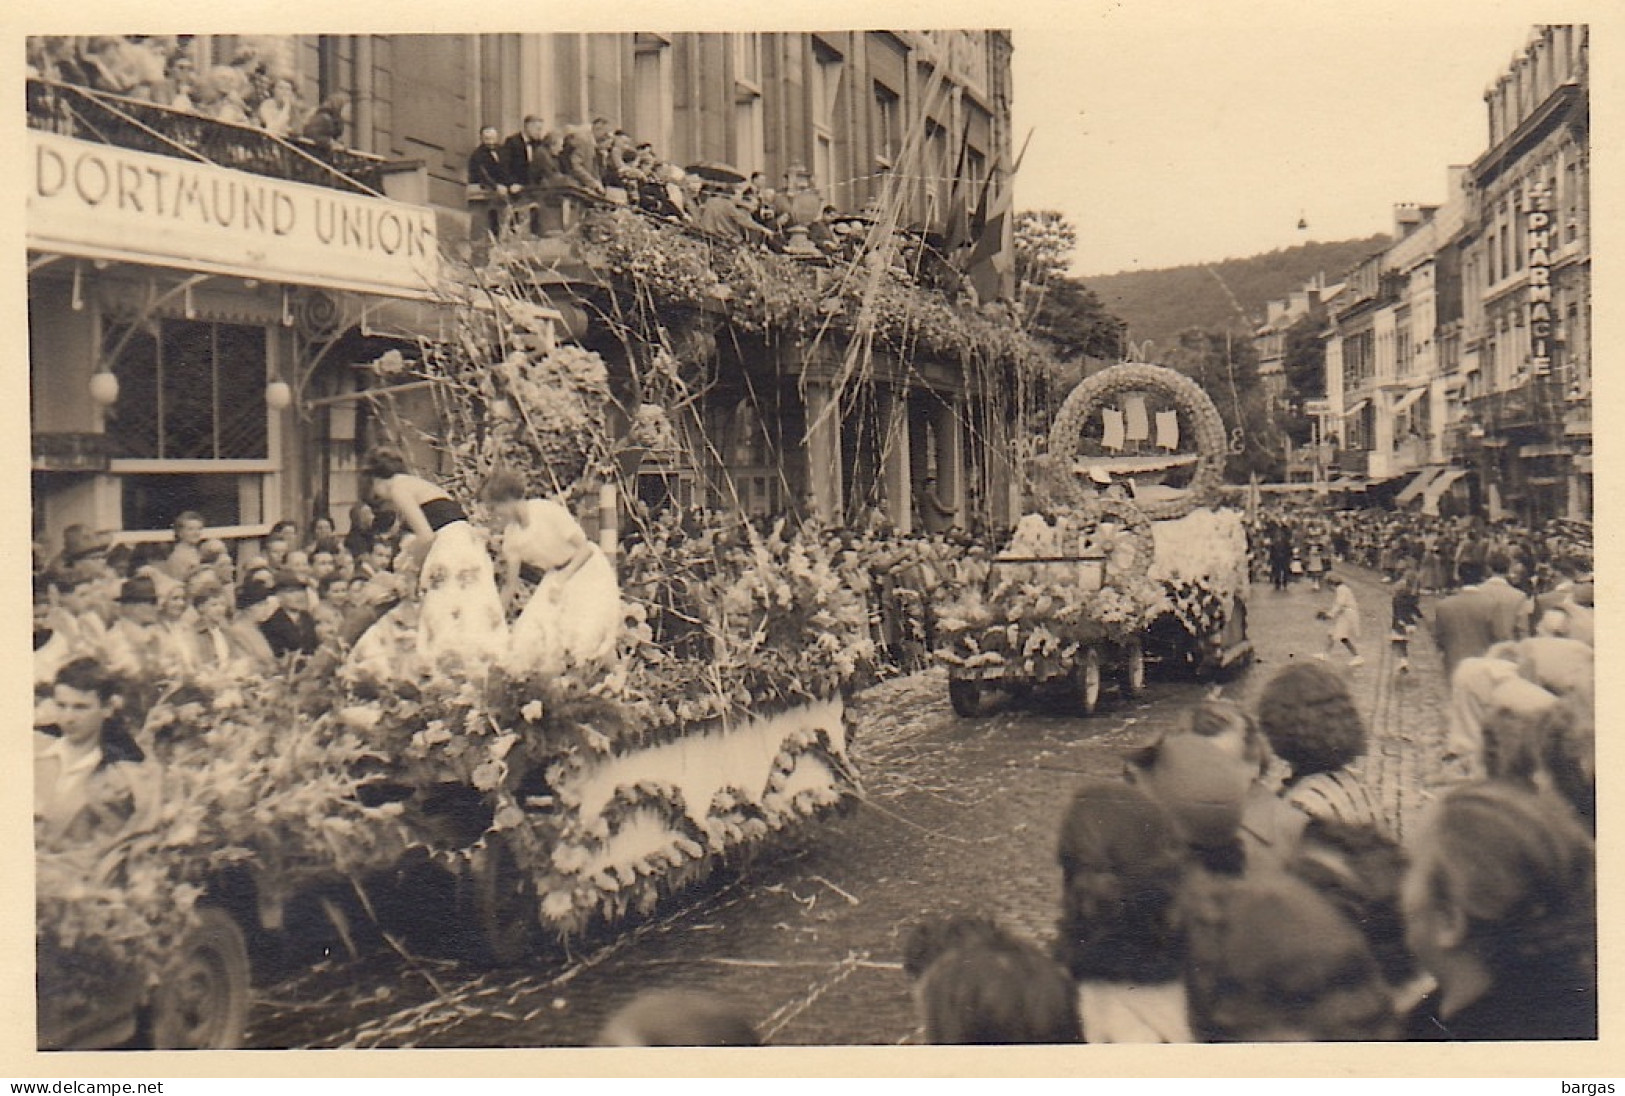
{"points": [[189, 391], [152, 501]]}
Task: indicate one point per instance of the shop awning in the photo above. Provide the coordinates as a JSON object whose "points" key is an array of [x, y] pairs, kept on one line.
{"points": [[1358, 407], [1418, 483], [1409, 398], [1543, 451], [1435, 490]]}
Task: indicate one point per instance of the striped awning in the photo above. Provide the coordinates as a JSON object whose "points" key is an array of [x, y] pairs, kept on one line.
{"points": [[1418, 483], [1435, 490]]}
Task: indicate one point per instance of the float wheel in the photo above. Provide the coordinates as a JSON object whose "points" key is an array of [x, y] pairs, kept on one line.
{"points": [[202, 1000]]}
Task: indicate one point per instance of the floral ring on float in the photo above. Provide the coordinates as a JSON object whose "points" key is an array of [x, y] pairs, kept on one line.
{"points": [[1132, 547], [1201, 420]]}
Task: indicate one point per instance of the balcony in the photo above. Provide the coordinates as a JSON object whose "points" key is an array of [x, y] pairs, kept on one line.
{"points": [[73, 111]]}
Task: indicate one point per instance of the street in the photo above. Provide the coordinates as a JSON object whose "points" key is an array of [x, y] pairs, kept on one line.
{"points": [[957, 815]]}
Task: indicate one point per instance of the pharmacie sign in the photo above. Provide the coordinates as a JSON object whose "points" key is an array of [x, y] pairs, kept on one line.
{"points": [[1539, 219], [106, 202]]}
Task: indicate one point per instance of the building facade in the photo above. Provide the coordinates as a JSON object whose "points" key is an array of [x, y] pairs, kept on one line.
{"points": [[202, 294], [1526, 348], [1461, 355]]}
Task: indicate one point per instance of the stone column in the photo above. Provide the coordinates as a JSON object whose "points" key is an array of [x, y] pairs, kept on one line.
{"points": [[823, 444], [895, 457], [950, 430]]}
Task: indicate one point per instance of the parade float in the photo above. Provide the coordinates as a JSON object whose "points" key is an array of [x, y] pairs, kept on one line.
{"points": [[1125, 559], [505, 813]]}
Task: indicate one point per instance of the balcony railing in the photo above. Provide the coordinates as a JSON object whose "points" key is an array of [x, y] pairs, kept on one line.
{"points": [[75, 111]]}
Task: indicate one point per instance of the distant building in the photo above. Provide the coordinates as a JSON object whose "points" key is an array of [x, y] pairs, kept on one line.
{"points": [[1526, 348], [1460, 355]]}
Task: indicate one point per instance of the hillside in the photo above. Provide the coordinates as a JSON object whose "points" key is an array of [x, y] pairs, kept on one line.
{"points": [[1158, 304]]}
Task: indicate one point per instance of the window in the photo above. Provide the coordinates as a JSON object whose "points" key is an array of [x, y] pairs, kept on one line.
{"points": [[888, 124], [748, 135], [747, 57], [189, 391], [652, 93], [825, 80]]}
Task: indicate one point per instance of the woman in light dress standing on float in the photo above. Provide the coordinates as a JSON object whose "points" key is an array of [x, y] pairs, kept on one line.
{"points": [[461, 611], [574, 615]]}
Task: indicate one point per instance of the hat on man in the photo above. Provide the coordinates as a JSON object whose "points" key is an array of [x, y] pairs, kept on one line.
{"points": [[138, 590], [287, 580]]}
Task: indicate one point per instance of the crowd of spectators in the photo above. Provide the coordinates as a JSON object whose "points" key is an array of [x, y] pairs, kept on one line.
{"points": [[148, 612], [1237, 884], [600, 162], [252, 89]]}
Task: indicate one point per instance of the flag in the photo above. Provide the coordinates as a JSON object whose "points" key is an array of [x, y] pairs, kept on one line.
{"points": [[991, 264], [957, 229]]}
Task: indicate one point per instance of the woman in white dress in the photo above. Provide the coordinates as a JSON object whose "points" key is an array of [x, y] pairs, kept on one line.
{"points": [[460, 614], [574, 615]]}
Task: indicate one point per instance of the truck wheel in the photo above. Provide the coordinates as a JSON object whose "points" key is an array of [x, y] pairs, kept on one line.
{"points": [[966, 697], [202, 1001], [1134, 669], [1087, 677]]}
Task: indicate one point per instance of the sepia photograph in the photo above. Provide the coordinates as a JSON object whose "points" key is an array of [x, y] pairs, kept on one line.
{"points": [[690, 538]]}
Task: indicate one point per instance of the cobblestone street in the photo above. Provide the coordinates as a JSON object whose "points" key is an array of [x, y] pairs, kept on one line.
{"points": [[957, 815]]}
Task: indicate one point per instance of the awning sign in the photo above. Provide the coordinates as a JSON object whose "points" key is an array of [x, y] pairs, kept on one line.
{"points": [[102, 201]]}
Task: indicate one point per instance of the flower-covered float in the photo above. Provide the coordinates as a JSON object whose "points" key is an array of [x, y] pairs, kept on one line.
{"points": [[1120, 562], [505, 810]]}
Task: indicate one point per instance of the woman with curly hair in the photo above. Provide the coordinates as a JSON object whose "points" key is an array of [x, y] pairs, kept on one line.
{"points": [[1500, 906], [460, 617], [1310, 720], [1122, 864]]}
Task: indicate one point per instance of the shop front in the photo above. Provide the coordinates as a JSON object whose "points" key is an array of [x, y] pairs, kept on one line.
{"points": [[182, 317]]}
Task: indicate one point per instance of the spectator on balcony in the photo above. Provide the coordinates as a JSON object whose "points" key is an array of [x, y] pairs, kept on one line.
{"points": [[325, 126], [603, 135], [488, 170], [524, 154], [276, 113], [579, 160], [178, 91], [222, 95], [724, 216]]}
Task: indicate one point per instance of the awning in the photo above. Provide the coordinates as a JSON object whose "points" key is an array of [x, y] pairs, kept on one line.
{"points": [[1436, 489], [1408, 399], [1355, 409], [1543, 451], [1418, 483]]}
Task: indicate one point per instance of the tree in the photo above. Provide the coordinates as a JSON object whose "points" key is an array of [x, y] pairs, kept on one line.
{"points": [[1226, 366], [1055, 306], [1303, 360]]}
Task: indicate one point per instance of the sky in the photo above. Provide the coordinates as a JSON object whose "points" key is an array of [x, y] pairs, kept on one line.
{"points": [[1171, 133]]}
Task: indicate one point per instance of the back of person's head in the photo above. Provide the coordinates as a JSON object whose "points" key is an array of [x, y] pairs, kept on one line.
{"points": [[1568, 753], [1204, 788], [988, 987], [678, 1018], [503, 485], [382, 462], [1518, 870], [1359, 869], [1497, 562], [1122, 862], [1310, 720], [1227, 724], [928, 940], [1270, 960]]}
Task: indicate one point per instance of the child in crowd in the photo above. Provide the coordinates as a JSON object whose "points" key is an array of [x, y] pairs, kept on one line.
{"points": [[1343, 620], [975, 983]]}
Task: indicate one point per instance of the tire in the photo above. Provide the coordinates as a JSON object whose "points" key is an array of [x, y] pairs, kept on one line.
{"points": [[1134, 670], [502, 906], [1086, 676], [202, 1001], [966, 697], [1205, 426]]}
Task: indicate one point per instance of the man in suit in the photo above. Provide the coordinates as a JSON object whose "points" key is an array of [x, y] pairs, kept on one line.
{"points": [[290, 626], [524, 154], [1475, 618], [488, 164]]}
